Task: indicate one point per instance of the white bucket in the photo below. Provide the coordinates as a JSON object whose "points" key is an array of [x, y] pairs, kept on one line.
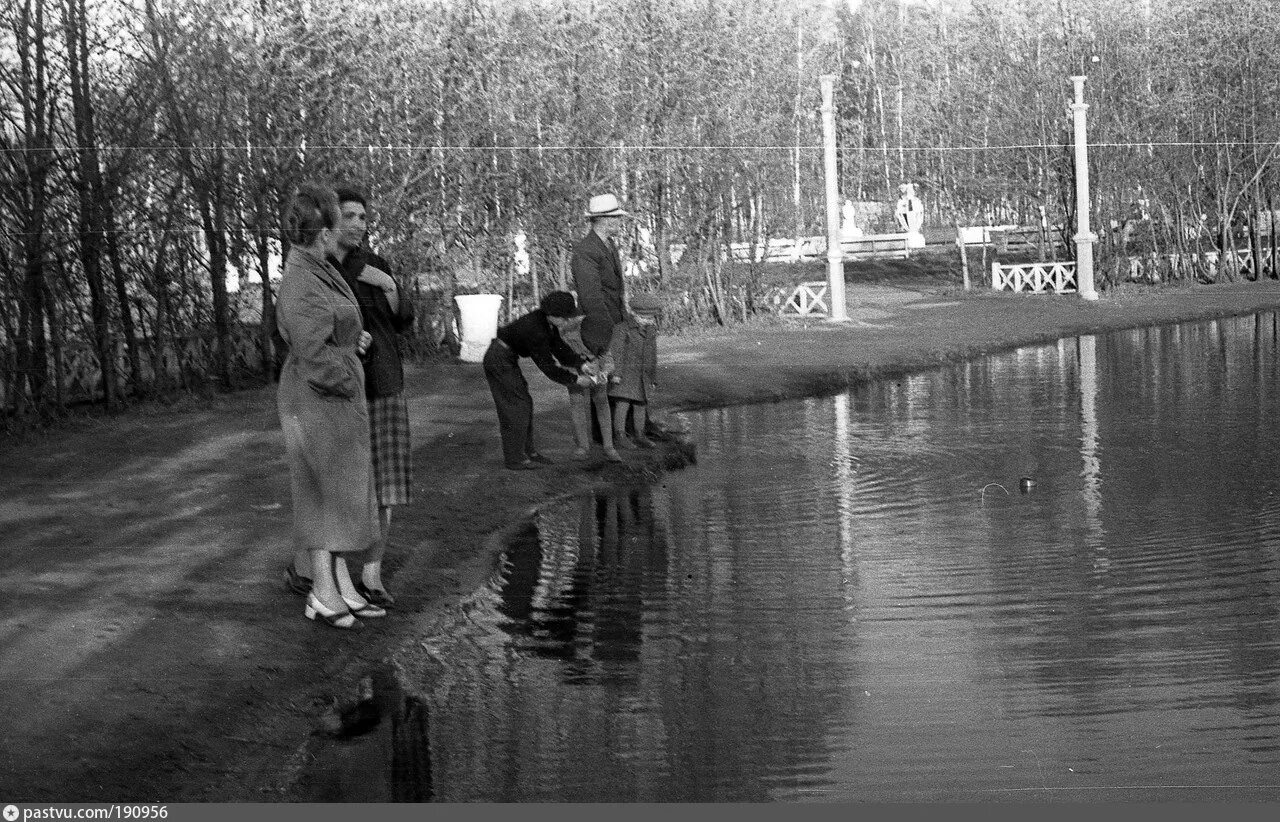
{"points": [[478, 321]]}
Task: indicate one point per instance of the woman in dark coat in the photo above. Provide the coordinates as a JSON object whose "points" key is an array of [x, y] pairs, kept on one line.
{"points": [[323, 413]]}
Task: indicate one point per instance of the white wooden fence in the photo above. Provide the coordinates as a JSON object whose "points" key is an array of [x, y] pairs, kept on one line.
{"points": [[1153, 268], [1060, 278], [807, 298], [875, 247], [865, 247], [1035, 278]]}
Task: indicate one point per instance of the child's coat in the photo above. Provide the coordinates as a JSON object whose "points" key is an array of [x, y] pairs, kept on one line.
{"points": [[634, 350]]}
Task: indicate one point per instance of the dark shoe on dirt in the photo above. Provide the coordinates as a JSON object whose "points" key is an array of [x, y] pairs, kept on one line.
{"points": [[375, 596], [296, 583]]}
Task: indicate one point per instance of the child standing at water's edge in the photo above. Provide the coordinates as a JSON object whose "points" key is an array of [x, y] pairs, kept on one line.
{"points": [[634, 349], [590, 405]]}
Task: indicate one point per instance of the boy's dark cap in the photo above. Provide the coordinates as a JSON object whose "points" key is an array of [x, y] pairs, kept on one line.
{"points": [[559, 304]]}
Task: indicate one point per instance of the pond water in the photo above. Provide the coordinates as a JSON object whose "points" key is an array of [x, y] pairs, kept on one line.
{"points": [[857, 598]]}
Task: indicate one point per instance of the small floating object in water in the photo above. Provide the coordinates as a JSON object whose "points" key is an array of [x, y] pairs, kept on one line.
{"points": [[1026, 484], [982, 495]]}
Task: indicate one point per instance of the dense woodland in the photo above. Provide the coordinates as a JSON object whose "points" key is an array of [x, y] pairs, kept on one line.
{"points": [[147, 147]]}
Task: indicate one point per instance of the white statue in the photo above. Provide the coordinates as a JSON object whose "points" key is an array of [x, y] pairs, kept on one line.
{"points": [[849, 221], [521, 242], [910, 214]]}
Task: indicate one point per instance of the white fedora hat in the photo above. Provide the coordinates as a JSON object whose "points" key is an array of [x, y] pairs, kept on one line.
{"points": [[605, 205]]}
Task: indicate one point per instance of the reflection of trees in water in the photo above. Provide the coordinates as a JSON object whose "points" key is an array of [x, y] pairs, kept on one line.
{"points": [[700, 624], [757, 667], [1178, 609]]}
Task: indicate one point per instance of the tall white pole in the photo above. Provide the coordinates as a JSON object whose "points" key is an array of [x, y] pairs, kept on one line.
{"points": [[1084, 237], [835, 254], [795, 157]]}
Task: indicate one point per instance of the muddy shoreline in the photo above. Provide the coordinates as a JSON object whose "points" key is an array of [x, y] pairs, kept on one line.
{"points": [[149, 648]]}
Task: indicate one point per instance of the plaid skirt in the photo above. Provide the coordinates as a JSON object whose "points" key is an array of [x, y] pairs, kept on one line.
{"points": [[392, 450]]}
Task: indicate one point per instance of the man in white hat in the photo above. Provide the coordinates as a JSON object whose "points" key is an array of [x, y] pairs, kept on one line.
{"points": [[597, 267], [597, 277]]}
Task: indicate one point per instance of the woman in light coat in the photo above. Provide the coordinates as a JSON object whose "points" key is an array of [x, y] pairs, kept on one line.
{"points": [[323, 413]]}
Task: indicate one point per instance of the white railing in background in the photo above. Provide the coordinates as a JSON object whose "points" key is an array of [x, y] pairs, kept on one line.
{"points": [[875, 247], [1035, 278], [788, 250], [807, 298], [1152, 268]]}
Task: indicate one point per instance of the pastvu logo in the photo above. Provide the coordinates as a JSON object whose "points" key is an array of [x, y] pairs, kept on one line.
{"points": [[10, 813]]}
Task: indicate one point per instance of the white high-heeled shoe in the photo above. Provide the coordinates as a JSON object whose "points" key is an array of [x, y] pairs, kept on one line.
{"points": [[337, 619]]}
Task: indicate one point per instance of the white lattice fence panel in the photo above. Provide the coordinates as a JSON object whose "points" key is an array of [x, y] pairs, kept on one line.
{"points": [[807, 298], [1153, 268], [1035, 278]]}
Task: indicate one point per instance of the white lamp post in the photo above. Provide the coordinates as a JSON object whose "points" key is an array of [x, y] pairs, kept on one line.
{"points": [[1084, 238], [835, 254]]}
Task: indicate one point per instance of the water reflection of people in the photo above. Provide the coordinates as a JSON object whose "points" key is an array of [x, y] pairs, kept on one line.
{"points": [[575, 591], [411, 777], [614, 596]]}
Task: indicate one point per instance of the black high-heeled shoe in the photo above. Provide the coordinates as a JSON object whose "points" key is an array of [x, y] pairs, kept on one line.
{"points": [[376, 596], [337, 619], [296, 583], [368, 610]]}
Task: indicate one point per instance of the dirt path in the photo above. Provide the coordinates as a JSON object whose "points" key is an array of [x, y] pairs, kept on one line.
{"points": [[147, 648]]}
